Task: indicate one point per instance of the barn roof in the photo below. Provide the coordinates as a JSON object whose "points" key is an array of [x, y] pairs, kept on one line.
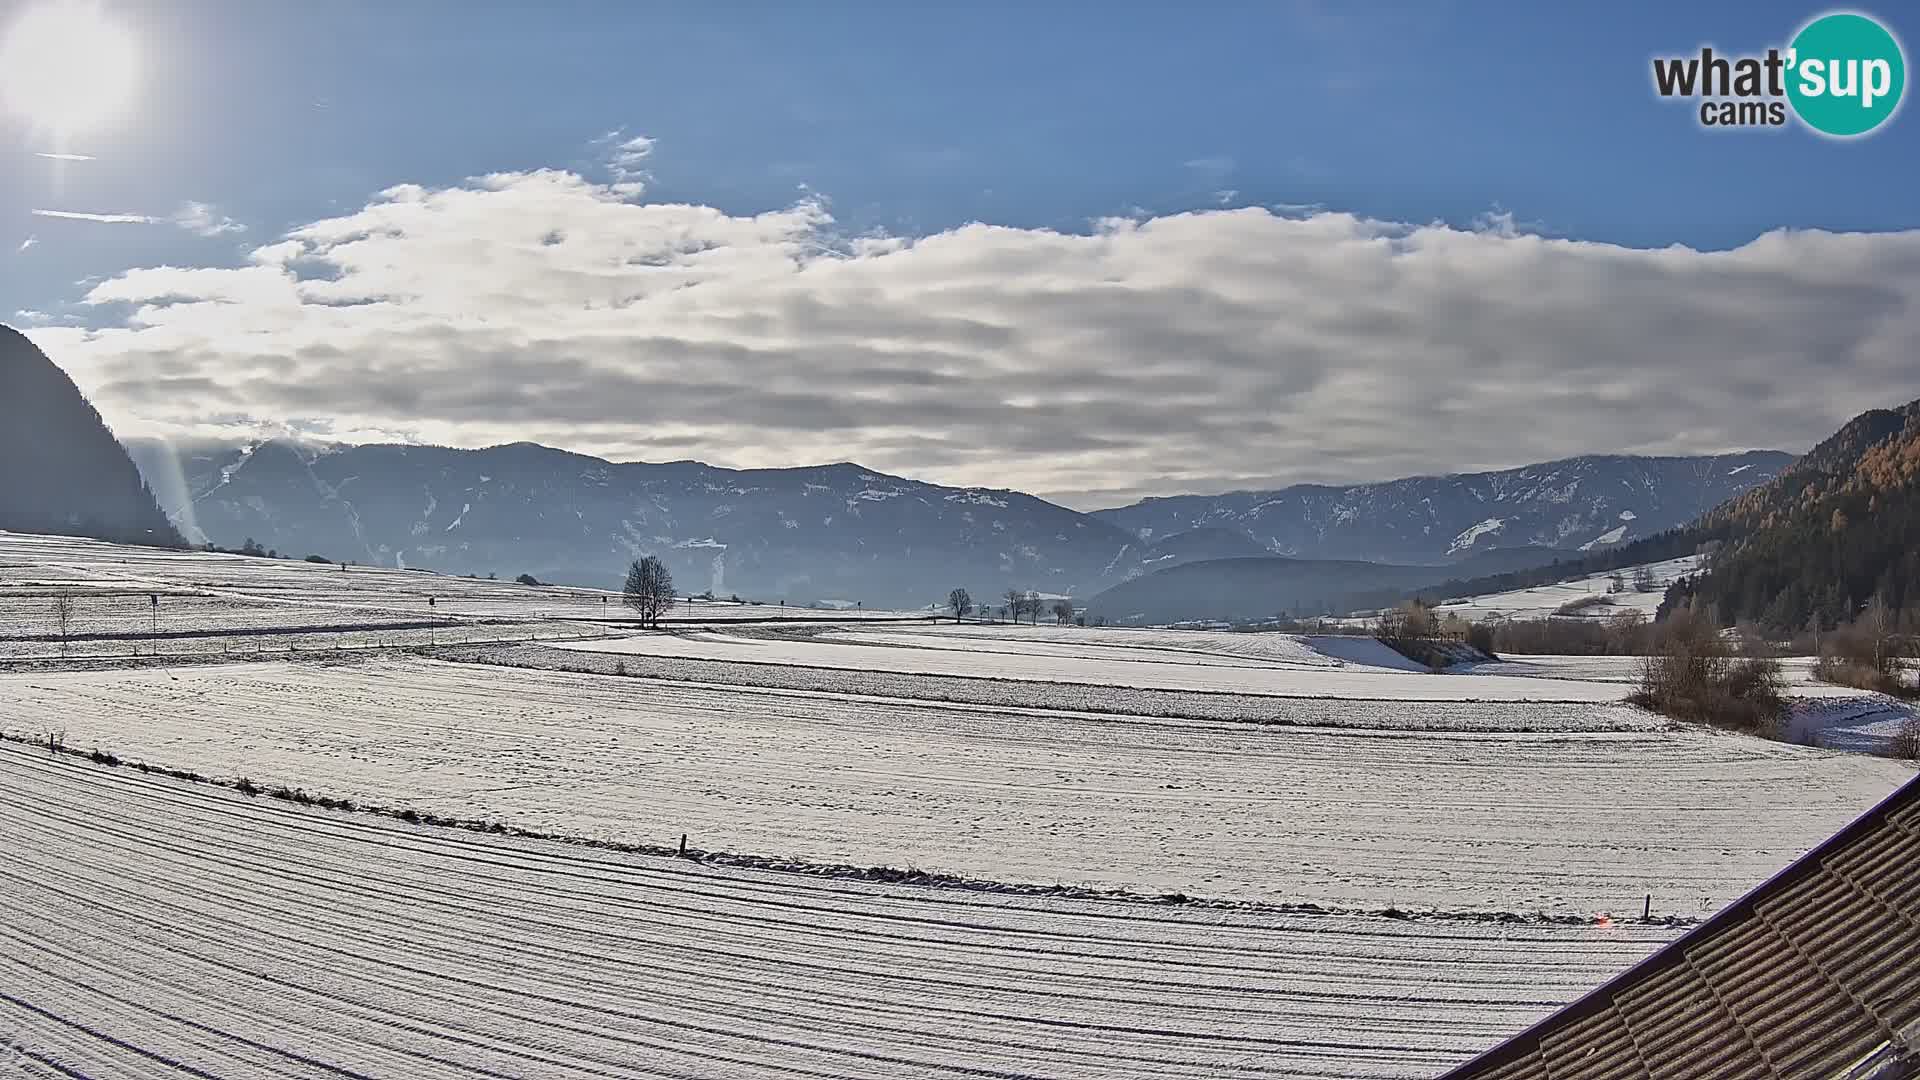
{"points": [[1816, 973]]}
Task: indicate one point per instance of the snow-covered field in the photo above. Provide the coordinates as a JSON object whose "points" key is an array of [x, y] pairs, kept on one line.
{"points": [[1544, 600], [1108, 657], [1572, 821], [1147, 701], [1855, 721], [1797, 671], [34, 568], [153, 926], [160, 928]]}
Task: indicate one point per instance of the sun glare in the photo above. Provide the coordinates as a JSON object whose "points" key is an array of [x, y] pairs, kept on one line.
{"points": [[65, 67]]}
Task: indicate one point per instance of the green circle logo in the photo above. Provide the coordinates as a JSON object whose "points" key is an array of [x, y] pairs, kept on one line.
{"points": [[1846, 74]]}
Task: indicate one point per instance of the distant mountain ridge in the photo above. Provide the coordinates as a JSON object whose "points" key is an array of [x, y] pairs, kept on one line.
{"points": [[1581, 503], [1253, 589], [61, 470], [829, 532]]}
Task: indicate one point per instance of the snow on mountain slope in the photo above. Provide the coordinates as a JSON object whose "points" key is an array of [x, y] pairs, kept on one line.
{"points": [[1557, 504], [807, 534]]}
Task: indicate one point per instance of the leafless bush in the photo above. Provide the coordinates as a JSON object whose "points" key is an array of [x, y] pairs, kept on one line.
{"points": [[1693, 675], [1627, 634], [1413, 631], [1584, 603], [1906, 741], [1866, 653]]}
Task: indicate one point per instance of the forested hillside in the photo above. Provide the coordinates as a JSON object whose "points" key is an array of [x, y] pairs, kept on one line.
{"points": [[1832, 532]]}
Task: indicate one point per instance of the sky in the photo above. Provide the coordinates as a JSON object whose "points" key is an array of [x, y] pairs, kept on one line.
{"points": [[1091, 252]]}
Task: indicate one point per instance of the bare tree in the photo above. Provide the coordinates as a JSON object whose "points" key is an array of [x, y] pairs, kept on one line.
{"points": [[649, 590], [1033, 606], [63, 617], [1865, 652], [1693, 675], [960, 603], [1016, 603], [1643, 580], [1063, 611]]}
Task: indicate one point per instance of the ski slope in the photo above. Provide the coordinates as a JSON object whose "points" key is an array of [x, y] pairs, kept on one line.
{"points": [[1574, 817], [156, 928]]}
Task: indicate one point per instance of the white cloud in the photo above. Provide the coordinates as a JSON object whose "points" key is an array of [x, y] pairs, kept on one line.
{"points": [[198, 218], [105, 219], [1196, 351], [202, 219], [65, 157], [624, 156], [25, 244]]}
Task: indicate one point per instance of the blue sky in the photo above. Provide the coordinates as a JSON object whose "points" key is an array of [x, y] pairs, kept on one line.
{"points": [[911, 120]]}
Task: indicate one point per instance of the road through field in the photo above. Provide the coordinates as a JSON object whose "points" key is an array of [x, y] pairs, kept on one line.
{"points": [[1564, 819], [153, 927]]}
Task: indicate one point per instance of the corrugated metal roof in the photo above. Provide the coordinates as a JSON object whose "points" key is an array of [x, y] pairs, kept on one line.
{"points": [[1815, 974]]}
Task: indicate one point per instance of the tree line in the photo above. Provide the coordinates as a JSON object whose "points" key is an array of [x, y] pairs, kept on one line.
{"points": [[1017, 604]]}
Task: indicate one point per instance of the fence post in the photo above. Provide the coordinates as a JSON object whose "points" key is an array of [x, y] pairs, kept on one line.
{"points": [[683, 846], [1647, 915]]}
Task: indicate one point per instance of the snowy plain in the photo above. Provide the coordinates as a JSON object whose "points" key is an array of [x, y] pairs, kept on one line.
{"points": [[32, 568], [1566, 821], [150, 925], [156, 927], [1105, 658]]}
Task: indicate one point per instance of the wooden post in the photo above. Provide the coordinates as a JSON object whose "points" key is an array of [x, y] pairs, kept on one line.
{"points": [[1647, 915], [683, 845]]}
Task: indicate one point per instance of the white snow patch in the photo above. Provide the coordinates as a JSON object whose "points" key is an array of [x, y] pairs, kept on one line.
{"points": [[1611, 536], [1472, 535], [977, 498]]}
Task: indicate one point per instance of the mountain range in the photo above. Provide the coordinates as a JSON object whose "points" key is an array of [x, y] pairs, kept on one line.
{"points": [[827, 533], [1582, 503], [838, 533], [846, 533]]}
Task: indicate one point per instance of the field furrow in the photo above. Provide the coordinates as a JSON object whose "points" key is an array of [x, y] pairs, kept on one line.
{"points": [[1574, 821], [157, 926]]}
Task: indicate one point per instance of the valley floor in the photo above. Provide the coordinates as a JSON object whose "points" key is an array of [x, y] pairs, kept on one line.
{"points": [[1243, 855], [1575, 817], [157, 927]]}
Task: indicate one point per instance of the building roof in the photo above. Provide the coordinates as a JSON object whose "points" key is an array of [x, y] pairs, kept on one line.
{"points": [[1815, 973]]}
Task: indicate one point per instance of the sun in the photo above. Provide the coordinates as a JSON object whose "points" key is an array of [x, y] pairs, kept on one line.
{"points": [[65, 67]]}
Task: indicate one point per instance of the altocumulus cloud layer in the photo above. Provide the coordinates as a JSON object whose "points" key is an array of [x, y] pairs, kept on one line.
{"points": [[1190, 352]]}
